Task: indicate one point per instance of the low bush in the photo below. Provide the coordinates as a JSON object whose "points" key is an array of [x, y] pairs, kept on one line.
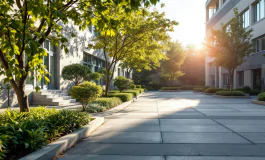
{"points": [[170, 88], [138, 86], [133, 86], [134, 92], [140, 89], [246, 89], [75, 73], [187, 88], [199, 89], [229, 93], [122, 83], [124, 97], [114, 91], [86, 92], [254, 92], [108, 102], [213, 90], [155, 86], [95, 108], [261, 96], [23, 133]]}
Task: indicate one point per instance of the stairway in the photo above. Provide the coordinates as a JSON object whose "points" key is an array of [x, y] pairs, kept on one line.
{"points": [[51, 98]]}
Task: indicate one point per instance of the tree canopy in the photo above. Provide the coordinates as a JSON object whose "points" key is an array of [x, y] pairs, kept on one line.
{"points": [[142, 33], [171, 68], [230, 45], [25, 25]]}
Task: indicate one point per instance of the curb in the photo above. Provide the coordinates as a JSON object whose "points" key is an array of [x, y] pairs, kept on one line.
{"points": [[235, 97], [62, 144], [258, 102]]}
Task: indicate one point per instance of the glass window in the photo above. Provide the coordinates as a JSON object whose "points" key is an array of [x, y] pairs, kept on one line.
{"points": [[257, 45], [259, 9], [263, 43], [245, 19]]}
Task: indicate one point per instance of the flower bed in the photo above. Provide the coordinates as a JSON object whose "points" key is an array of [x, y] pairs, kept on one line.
{"points": [[23, 133]]}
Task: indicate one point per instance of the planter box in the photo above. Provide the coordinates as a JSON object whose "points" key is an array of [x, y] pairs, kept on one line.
{"points": [[258, 102], [239, 97], [62, 144], [169, 90]]}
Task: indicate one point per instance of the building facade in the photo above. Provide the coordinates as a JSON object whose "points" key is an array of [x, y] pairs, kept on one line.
{"points": [[252, 72]]}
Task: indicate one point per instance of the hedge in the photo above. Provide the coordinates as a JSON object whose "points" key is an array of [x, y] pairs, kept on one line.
{"points": [[213, 90], [134, 92], [261, 96], [187, 88], [140, 89], [254, 92], [125, 97], [199, 89], [229, 93], [23, 133], [108, 102], [170, 88]]}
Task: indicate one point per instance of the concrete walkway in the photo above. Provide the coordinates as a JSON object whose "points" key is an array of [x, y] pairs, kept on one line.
{"points": [[178, 126]]}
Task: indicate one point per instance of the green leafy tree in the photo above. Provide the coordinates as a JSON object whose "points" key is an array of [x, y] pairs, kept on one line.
{"points": [[86, 92], [171, 68], [25, 25], [230, 45], [122, 83], [75, 73], [141, 26]]}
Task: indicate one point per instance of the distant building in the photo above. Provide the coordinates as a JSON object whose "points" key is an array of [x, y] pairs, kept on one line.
{"points": [[252, 72]]}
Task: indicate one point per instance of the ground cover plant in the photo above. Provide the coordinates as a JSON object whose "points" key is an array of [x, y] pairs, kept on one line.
{"points": [[25, 132]]}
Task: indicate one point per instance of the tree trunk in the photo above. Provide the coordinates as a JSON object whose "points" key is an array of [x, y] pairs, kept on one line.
{"points": [[107, 83], [231, 79], [22, 98]]}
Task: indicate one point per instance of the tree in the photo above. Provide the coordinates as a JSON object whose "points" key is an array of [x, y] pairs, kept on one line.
{"points": [[75, 73], [171, 68], [141, 26], [25, 25], [193, 66], [230, 45]]}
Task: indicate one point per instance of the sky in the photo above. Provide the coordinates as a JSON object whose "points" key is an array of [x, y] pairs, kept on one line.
{"points": [[191, 17]]}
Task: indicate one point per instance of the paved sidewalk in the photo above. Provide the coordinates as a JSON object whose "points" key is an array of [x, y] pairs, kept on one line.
{"points": [[178, 126]]}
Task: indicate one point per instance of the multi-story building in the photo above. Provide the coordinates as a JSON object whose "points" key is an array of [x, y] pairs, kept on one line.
{"points": [[252, 72]]}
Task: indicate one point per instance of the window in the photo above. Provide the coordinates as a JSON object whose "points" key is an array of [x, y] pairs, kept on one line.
{"points": [[263, 43], [241, 78], [256, 45], [245, 19], [259, 10], [225, 79]]}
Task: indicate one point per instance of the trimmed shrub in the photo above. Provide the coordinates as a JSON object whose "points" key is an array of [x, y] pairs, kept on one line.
{"points": [[75, 73], [138, 86], [254, 92], [134, 92], [95, 108], [114, 91], [198, 89], [86, 92], [108, 102], [133, 86], [228, 93], [187, 88], [94, 76], [170, 88], [124, 97], [246, 89], [140, 89], [213, 90], [261, 96], [23, 133], [122, 83]]}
